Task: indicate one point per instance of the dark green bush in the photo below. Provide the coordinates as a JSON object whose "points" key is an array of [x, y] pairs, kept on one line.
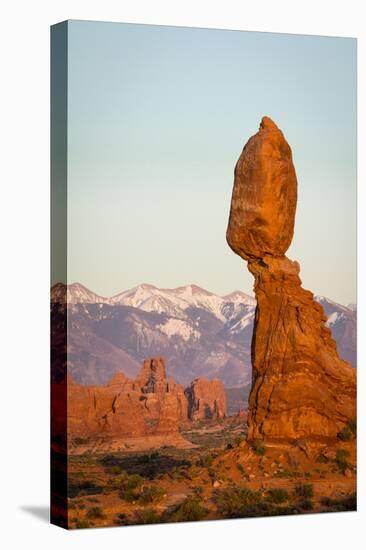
{"points": [[116, 470], [322, 459], [341, 460], [348, 432], [134, 481], [278, 496], [258, 447], [95, 513], [343, 504], [82, 524], [197, 491], [151, 494], [306, 504], [205, 461], [148, 515], [231, 502], [326, 501], [189, 510], [304, 490]]}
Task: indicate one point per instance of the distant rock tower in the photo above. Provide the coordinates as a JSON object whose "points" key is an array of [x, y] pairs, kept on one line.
{"points": [[301, 388]]}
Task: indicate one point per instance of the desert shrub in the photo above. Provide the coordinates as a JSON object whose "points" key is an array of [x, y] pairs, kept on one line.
{"points": [[193, 471], [258, 447], [278, 496], [131, 488], [229, 446], [197, 491], [306, 504], [341, 460], [151, 494], [82, 524], [180, 473], [130, 495], [95, 513], [116, 482], [205, 461], [232, 501], [348, 432], [347, 503], [352, 425], [343, 504], [189, 510], [345, 434], [322, 459], [240, 467], [116, 470], [148, 515], [239, 502], [134, 481], [326, 501], [238, 439], [304, 490]]}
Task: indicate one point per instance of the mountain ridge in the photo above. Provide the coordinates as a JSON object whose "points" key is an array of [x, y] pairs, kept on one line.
{"points": [[199, 333]]}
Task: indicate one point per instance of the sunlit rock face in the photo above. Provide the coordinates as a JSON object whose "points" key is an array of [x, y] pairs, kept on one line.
{"points": [[263, 203], [301, 388]]}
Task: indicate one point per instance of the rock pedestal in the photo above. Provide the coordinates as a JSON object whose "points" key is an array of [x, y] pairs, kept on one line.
{"points": [[301, 388]]}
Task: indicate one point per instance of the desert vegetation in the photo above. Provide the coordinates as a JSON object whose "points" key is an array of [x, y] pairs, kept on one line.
{"points": [[222, 477]]}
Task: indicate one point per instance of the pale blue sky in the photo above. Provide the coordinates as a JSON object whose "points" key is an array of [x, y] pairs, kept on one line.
{"points": [[157, 119]]}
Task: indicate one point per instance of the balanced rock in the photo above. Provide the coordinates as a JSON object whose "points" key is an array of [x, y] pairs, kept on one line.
{"points": [[301, 388], [206, 399], [263, 203]]}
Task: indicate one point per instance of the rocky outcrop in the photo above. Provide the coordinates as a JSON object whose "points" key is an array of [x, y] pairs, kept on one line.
{"points": [[152, 405], [149, 405], [300, 386], [263, 203], [206, 399], [165, 405], [114, 409]]}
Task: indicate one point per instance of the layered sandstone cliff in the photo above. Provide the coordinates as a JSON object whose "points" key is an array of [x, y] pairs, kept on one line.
{"points": [[150, 405], [300, 386], [206, 399]]}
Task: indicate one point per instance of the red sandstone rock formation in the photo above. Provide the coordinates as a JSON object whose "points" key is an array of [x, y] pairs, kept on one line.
{"points": [[207, 399], [114, 409], [165, 405], [149, 405], [300, 386]]}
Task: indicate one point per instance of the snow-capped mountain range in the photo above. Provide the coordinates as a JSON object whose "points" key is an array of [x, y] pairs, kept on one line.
{"points": [[198, 332], [158, 300]]}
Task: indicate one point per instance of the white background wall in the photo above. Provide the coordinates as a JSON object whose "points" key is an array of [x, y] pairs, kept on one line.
{"points": [[24, 271]]}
